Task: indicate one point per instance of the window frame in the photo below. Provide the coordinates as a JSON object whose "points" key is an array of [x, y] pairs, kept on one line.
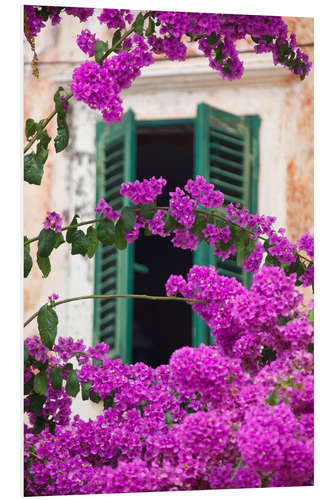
{"points": [[253, 122]]}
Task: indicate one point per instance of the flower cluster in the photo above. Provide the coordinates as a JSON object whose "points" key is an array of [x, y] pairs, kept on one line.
{"points": [[36, 16], [188, 225], [81, 12], [33, 22], [143, 192], [216, 33], [106, 210], [52, 297], [182, 208], [114, 18], [306, 244], [252, 264], [86, 41], [206, 420], [99, 85], [204, 193], [53, 221], [244, 322]]}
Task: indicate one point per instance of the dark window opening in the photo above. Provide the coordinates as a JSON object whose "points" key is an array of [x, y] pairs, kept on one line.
{"points": [[160, 327]]}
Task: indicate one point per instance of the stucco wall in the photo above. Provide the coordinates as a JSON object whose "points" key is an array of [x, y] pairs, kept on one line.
{"points": [[166, 90]]}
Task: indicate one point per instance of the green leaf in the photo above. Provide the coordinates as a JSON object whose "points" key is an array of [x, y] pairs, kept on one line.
{"points": [[106, 232], [171, 224], [120, 239], [28, 386], [168, 419], [147, 231], [72, 385], [128, 218], [310, 316], [33, 169], [44, 138], [199, 224], [42, 153], [148, 211], [40, 383], [213, 39], [59, 240], [47, 320], [256, 40], [46, 241], [85, 390], [62, 138], [282, 320], [151, 27], [55, 375], [245, 246], [138, 24], [115, 39], [219, 54], [71, 232], [26, 353], [273, 397], [100, 48], [310, 348], [109, 401], [272, 261], [52, 426], [26, 246], [44, 265], [59, 107], [36, 402], [39, 425], [92, 241], [79, 243], [95, 398], [27, 263], [30, 128]]}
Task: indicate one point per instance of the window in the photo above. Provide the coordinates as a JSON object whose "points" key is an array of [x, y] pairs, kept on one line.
{"points": [[224, 149]]}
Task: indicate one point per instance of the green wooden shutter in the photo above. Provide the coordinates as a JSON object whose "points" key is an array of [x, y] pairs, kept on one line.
{"points": [[115, 163], [226, 154]]}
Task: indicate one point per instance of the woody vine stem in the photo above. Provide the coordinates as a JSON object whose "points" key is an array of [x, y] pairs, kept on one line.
{"points": [[218, 216], [115, 296]]}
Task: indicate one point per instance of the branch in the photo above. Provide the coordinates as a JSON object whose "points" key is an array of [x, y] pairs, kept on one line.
{"points": [[116, 296], [73, 226], [125, 35], [221, 217], [45, 122]]}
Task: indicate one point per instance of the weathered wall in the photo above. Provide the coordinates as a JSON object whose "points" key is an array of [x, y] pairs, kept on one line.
{"points": [[167, 90]]}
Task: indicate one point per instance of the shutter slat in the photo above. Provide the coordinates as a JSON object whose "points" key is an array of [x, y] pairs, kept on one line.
{"points": [[217, 173], [110, 306], [115, 155], [107, 319], [226, 162], [109, 261], [114, 166], [220, 133], [114, 180], [227, 187], [225, 149]]}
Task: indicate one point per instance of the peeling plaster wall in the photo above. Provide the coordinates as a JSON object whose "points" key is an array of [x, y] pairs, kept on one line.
{"points": [[285, 106]]}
